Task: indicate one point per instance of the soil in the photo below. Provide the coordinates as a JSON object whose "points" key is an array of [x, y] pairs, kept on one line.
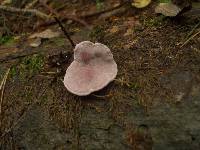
{"points": [[154, 102]]}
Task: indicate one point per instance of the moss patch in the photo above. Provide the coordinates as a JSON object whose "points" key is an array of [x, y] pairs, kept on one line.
{"points": [[6, 40], [28, 66]]}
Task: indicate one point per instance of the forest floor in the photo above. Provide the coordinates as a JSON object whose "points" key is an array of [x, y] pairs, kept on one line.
{"points": [[154, 103]]}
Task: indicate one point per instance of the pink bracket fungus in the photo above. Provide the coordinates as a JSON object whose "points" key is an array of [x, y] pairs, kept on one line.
{"points": [[92, 69]]}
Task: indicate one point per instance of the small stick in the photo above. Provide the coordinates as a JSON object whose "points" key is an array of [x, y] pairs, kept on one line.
{"points": [[64, 18], [2, 87], [56, 15], [39, 14], [2, 83], [12, 57], [192, 31], [31, 4], [65, 32], [54, 12], [190, 38], [32, 11], [101, 96], [103, 11], [79, 18]]}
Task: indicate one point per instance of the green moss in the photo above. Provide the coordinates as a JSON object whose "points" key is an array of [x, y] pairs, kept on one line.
{"points": [[99, 5], [154, 22], [13, 71], [6, 40], [59, 41], [44, 99], [28, 97], [28, 67], [134, 86], [33, 64]]}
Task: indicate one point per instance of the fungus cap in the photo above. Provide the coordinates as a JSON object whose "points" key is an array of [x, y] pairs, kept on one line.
{"points": [[92, 69]]}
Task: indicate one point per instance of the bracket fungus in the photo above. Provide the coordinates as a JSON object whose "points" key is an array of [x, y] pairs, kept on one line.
{"points": [[92, 69]]}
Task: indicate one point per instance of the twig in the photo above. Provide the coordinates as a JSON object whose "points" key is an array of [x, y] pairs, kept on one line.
{"points": [[79, 18], [2, 87], [74, 18], [42, 15], [2, 83], [64, 18], [56, 15], [65, 32], [122, 82], [190, 38], [32, 11], [101, 96], [54, 12], [31, 4], [192, 31], [103, 11], [15, 53], [15, 56], [49, 8]]}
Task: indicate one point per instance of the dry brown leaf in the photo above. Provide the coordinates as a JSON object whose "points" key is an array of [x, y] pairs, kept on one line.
{"points": [[130, 44], [129, 32], [114, 29], [35, 42], [46, 34], [141, 3], [5, 2], [167, 9]]}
